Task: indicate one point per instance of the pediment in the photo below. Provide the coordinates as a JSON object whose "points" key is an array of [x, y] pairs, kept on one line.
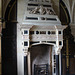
{"points": [[42, 11]]}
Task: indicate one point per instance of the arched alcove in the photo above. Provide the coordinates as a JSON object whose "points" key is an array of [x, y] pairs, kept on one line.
{"points": [[9, 54], [64, 14]]}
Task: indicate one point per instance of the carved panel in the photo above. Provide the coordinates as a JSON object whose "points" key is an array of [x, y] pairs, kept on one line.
{"points": [[43, 37]]}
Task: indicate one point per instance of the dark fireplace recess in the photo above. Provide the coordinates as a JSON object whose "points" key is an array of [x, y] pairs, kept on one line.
{"points": [[40, 59]]}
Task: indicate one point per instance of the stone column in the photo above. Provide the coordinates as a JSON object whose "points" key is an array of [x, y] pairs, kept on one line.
{"points": [[22, 49], [20, 53], [29, 64]]}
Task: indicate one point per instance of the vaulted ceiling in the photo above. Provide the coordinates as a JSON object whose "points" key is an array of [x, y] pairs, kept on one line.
{"points": [[70, 4]]}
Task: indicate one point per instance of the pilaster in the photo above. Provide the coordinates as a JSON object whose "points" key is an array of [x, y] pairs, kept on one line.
{"points": [[22, 49]]}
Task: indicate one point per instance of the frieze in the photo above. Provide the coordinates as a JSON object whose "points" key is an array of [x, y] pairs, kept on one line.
{"points": [[43, 37]]}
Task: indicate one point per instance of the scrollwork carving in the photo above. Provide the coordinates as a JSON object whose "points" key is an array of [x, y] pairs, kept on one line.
{"points": [[41, 10]]}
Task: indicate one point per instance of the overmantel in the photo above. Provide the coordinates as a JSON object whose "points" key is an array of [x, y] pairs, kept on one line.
{"points": [[52, 34]]}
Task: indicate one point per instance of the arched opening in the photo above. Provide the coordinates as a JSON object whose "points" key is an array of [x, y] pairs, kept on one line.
{"points": [[9, 54], [41, 59], [64, 14]]}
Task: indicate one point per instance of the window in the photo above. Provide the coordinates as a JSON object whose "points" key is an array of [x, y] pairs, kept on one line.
{"points": [[25, 31]]}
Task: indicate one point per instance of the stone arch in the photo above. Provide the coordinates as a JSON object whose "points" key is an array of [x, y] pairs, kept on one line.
{"points": [[64, 13], [9, 54], [52, 44], [4, 7], [11, 5]]}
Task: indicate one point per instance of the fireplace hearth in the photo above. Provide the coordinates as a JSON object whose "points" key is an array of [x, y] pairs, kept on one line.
{"points": [[41, 69], [40, 59]]}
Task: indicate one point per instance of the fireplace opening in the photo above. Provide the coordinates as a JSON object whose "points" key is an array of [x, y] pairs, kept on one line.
{"points": [[41, 59]]}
